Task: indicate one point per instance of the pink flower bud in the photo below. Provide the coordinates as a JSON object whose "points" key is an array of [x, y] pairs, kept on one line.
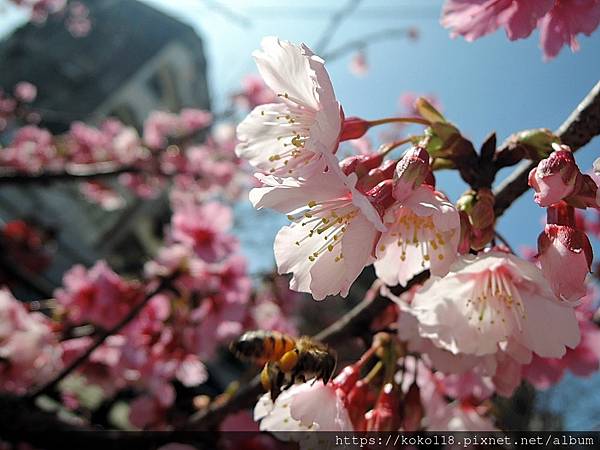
{"points": [[413, 409], [411, 171], [347, 378], [357, 401], [353, 128], [377, 175], [361, 164], [565, 256], [384, 416], [479, 209], [555, 177], [381, 196]]}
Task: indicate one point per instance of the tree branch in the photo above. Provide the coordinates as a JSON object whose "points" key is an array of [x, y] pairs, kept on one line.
{"points": [[364, 41], [50, 386], [79, 172], [336, 20], [580, 128]]}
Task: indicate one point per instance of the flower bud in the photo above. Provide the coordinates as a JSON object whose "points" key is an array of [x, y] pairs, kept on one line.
{"points": [[427, 110], [560, 247], [360, 164], [555, 177], [411, 171], [413, 409], [353, 128], [587, 195], [377, 175], [479, 209], [381, 196], [357, 402], [347, 378], [384, 415]]}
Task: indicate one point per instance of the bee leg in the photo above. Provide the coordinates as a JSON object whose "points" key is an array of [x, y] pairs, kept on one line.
{"points": [[288, 361], [265, 377], [276, 385]]}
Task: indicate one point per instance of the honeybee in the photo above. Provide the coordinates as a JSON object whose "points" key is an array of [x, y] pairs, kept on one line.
{"points": [[286, 360]]}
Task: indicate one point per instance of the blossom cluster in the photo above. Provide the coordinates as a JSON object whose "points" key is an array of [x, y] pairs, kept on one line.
{"points": [[559, 21], [485, 320], [166, 151]]}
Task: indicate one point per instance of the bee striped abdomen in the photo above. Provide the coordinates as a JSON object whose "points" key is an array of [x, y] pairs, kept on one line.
{"points": [[263, 346]]}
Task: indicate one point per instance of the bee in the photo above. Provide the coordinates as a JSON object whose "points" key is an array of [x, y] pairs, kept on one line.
{"points": [[286, 360]]}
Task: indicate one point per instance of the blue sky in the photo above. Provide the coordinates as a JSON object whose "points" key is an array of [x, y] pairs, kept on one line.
{"points": [[489, 85]]}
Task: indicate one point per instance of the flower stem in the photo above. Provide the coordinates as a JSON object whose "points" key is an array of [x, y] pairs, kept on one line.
{"points": [[387, 148], [417, 120]]}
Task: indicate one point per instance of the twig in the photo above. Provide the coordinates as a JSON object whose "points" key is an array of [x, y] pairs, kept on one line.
{"points": [[366, 40], [50, 386], [81, 172], [504, 241], [582, 125], [228, 13], [334, 23]]}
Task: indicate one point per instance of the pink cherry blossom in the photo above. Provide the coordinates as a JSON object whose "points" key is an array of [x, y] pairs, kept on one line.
{"points": [[160, 126], [561, 246], [102, 194], [302, 407], [358, 64], [31, 150], [290, 137], [494, 299], [583, 360], [25, 92], [29, 351], [457, 416], [555, 177], [97, 295], [473, 19], [103, 368], [565, 21], [333, 232], [254, 92], [203, 228], [423, 232]]}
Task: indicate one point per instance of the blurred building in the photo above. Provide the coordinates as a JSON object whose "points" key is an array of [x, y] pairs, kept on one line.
{"points": [[134, 59]]}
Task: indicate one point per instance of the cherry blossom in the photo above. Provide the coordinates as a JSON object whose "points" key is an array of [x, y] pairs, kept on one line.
{"points": [[358, 64], [555, 177], [583, 360], [29, 350], [97, 295], [423, 232], [494, 299], [333, 232], [203, 228], [290, 137], [473, 19], [565, 21], [560, 246], [303, 407]]}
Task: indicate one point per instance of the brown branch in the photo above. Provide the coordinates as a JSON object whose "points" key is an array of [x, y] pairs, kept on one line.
{"points": [[580, 128], [102, 336], [79, 173], [334, 23], [365, 41]]}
